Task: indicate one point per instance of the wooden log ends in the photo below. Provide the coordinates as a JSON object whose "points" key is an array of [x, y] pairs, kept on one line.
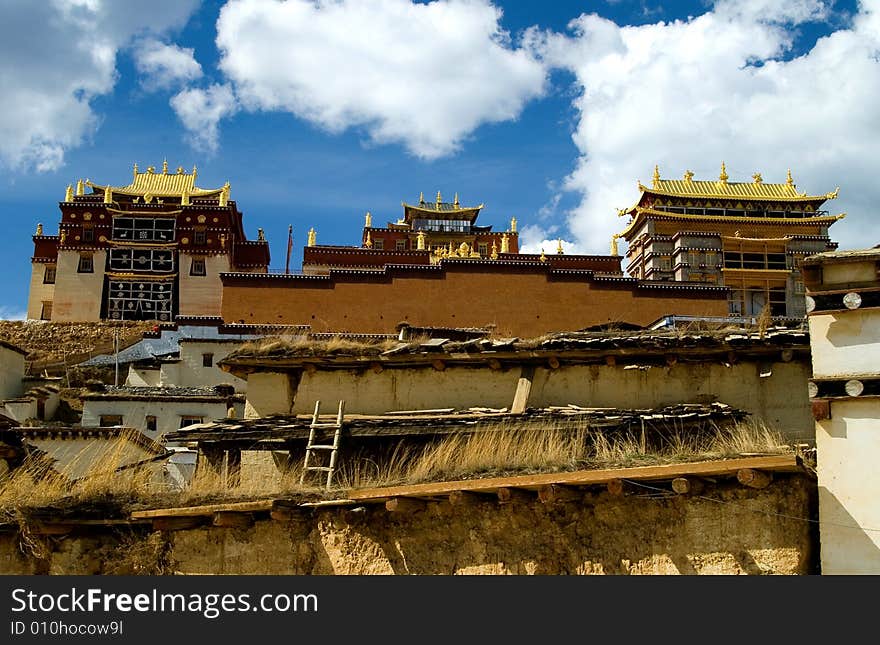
{"points": [[514, 495], [376, 367], [438, 365], [232, 519], [615, 487], [494, 363], [556, 494], [687, 486], [610, 361], [553, 362], [463, 498], [753, 478]]}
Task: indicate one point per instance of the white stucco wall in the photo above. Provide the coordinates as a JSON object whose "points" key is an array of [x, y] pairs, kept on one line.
{"points": [[191, 372], [168, 413], [848, 447], [845, 343], [78, 295], [142, 377], [11, 373], [38, 292], [201, 295]]}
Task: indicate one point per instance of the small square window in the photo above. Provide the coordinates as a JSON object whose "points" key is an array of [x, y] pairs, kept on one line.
{"points": [[400, 245], [207, 360], [197, 267], [49, 275], [86, 263], [150, 423], [379, 244], [483, 249], [200, 237], [46, 310], [88, 235], [188, 421], [110, 420]]}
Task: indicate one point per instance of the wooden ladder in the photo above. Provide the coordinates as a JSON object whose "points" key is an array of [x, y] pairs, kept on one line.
{"points": [[333, 447]]}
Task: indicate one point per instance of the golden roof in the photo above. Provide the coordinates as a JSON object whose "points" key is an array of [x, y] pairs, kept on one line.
{"points": [[162, 184], [721, 188]]}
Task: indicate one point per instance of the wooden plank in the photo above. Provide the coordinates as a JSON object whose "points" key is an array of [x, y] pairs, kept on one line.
{"points": [[405, 505], [780, 463], [523, 389], [257, 506], [233, 519], [177, 523]]}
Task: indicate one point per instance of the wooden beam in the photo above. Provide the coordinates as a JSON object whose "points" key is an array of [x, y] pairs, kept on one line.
{"points": [[687, 485], [206, 510], [376, 367], [438, 365], [754, 478], [556, 494], [177, 523], [553, 362], [523, 389], [668, 472], [405, 505], [232, 519], [494, 363], [610, 361], [514, 496]]}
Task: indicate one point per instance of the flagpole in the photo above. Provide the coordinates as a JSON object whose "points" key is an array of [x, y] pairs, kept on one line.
{"points": [[289, 247]]}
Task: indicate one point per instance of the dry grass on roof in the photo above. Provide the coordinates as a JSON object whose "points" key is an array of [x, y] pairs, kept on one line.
{"points": [[304, 346]]}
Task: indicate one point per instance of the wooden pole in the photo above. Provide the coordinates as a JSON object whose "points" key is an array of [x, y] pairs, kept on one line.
{"points": [[523, 389]]}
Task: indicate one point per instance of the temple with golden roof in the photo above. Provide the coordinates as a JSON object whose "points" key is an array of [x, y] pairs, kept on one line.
{"points": [[748, 236], [151, 250], [427, 233]]}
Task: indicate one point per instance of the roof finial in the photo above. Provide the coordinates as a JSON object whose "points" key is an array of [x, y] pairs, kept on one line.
{"points": [[614, 250], [494, 254], [455, 203], [180, 170], [723, 176], [368, 220], [513, 225], [757, 178], [439, 199], [134, 171], [656, 178], [543, 257], [559, 247], [788, 179], [165, 166], [312, 237], [422, 197], [79, 186], [39, 229], [505, 243], [261, 236], [194, 173], [420, 241], [689, 176], [68, 194], [368, 242], [108, 195]]}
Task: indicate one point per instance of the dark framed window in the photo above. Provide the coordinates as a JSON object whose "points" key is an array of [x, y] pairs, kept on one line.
{"points": [[197, 267], [46, 310], [207, 360], [200, 238], [49, 275], [150, 423], [143, 229], [400, 245], [86, 263], [110, 420], [188, 421], [379, 244], [88, 234]]}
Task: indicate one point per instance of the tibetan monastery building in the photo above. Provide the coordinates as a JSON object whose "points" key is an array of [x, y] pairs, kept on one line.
{"points": [[749, 236], [151, 250], [436, 267]]}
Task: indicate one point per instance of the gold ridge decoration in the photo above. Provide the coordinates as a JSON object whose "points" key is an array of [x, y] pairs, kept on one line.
{"points": [[68, 194], [505, 243], [513, 225], [494, 254], [543, 257], [656, 177], [689, 176], [757, 178], [261, 236], [368, 220], [368, 242], [39, 229], [108, 195], [559, 247], [312, 239], [789, 181], [437, 202], [79, 186], [723, 176], [420, 241], [614, 249]]}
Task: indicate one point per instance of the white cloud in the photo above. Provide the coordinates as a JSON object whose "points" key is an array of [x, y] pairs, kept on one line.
{"points": [[200, 112], [55, 57], [689, 94], [423, 75], [163, 65]]}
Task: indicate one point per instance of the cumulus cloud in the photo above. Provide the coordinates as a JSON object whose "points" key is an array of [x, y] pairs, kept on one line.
{"points": [[200, 111], [422, 75], [55, 58], [722, 86], [164, 65]]}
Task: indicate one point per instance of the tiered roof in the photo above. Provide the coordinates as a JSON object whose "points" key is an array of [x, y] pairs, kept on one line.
{"points": [[162, 184]]}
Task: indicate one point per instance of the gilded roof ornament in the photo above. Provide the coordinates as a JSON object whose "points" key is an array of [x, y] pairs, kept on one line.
{"points": [[134, 172], [788, 178], [689, 176], [543, 257], [420, 241], [513, 225], [151, 170], [455, 203], [757, 178], [180, 170], [184, 198], [368, 242], [439, 199], [656, 177], [559, 247], [39, 229], [614, 250], [833, 194], [68, 194], [164, 166], [494, 254], [368, 220], [421, 197], [79, 187], [108, 195], [312, 237], [723, 177], [224, 194], [261, 236], [505, 243]]}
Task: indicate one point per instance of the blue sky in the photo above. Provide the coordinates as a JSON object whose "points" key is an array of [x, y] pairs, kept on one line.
{"points": [[317, 112]]}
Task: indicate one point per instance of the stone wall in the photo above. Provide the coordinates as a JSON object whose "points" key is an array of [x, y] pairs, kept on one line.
{"points": [[745, 531]]}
